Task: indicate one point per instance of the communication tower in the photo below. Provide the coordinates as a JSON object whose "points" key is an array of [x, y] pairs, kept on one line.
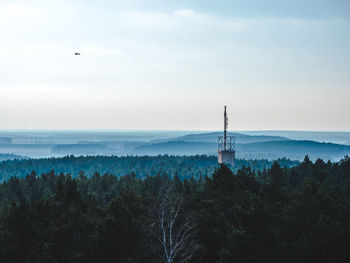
{"points": [[226, 145]]}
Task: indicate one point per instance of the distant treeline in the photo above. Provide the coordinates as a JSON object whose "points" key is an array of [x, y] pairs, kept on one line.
{"points": [[5, 157], [141, 166], [282, 215]]}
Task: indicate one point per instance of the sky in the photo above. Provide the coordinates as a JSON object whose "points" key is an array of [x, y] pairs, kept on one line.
{"points": [[173, 65]]}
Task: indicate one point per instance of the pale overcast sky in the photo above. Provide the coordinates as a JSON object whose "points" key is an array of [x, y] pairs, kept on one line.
{"points": [[174, 64]]}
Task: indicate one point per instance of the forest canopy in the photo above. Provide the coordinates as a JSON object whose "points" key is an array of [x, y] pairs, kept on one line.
{"points": [[141, 166], [280, 214]]}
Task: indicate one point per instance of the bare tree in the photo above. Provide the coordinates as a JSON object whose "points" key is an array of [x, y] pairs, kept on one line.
{"points": [[175, 231]]}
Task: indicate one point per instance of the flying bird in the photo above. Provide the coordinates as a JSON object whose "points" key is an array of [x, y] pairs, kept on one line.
{"points": [[77, 54]]}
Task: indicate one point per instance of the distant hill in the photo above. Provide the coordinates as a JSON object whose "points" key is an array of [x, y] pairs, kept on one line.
{"points": [[177, 148], [82, 148], [5, 140], [270, 149], [247, 146], [30, 150], [293, 149], [318, 136], [213, 137]]}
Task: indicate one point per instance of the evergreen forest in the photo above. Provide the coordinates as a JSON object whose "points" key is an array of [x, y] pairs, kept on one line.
{"points": [[142, 166], [279, 213]]}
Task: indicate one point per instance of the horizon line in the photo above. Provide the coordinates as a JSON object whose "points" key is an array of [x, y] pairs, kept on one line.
{"points": [[163, 130]]}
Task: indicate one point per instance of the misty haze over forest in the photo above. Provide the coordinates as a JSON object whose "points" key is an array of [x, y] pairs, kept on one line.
{"points": [[249, 144]]}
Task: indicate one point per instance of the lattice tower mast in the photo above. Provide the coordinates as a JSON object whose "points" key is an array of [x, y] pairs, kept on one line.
{"points": [[226, 145]]}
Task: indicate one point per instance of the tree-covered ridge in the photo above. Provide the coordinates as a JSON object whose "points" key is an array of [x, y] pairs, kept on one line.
{"points": [[252, 145], [141, 166], [4, 157], [297, 214]]}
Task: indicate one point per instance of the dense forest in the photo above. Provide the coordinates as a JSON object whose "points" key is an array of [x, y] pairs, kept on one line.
{"points": [[141, 166], [280, 214], [5, 157]]}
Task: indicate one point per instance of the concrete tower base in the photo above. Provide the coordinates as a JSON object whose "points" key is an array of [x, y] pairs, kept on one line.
{"points": [[226, 157]]}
